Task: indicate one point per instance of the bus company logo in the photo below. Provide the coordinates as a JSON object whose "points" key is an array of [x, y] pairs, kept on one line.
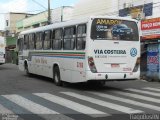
{"points": [[109, 51], [133, 52]]}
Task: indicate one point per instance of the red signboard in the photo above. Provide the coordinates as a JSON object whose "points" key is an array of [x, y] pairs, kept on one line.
{"points": [[150, 24], [150, 28]]}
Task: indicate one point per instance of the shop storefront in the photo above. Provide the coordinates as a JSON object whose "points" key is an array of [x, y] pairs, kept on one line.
{"points": [[150, 52]]}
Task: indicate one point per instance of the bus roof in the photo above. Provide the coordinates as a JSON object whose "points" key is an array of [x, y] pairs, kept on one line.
{"points": [[71, 22], [55, 25]]}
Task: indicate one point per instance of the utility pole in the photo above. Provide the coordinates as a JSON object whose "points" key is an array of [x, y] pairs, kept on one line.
{"points": [[49, 13]]}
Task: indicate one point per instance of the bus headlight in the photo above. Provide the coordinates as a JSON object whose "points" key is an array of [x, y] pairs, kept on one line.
{"points": [[137, 65], [92, 65]]}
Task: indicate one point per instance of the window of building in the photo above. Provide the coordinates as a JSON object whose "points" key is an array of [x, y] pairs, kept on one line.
{"points": [[69, 38], [39, 40], [81, 37], [57, 39], [7, 23], [47, 40]]}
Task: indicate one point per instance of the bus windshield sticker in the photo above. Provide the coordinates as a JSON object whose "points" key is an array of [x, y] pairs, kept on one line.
{"points": [[113, 29]]}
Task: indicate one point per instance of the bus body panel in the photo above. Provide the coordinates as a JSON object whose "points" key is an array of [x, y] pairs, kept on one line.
{"points": [[71, 68], [107, 61]]}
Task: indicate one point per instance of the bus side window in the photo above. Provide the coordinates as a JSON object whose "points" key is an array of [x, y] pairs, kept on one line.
{"points": [[69, 38], [47, 40], [39, 40], [20, 44], [26, 42], [81, 37], [34, 39], [31, 41], [57, 39]]}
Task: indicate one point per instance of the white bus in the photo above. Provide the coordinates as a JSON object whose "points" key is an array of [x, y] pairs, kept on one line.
{"points": [[99, 48], [2, 50]]}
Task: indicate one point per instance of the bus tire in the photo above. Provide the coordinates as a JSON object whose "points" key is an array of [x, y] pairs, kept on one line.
{"points": [[56, 76], [26, 69]]}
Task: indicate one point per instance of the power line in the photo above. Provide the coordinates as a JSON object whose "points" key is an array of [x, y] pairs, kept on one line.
{"points": [[39, 4]]}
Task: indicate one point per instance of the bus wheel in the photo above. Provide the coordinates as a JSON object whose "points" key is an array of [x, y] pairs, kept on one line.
{"points": [[26, 70], [56, 76]]}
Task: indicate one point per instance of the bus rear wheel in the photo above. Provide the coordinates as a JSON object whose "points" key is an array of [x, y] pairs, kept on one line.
{"points": [[56, 76]]}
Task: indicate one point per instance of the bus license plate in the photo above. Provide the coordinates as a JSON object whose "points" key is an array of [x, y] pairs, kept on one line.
{"points": [[115, 65]]}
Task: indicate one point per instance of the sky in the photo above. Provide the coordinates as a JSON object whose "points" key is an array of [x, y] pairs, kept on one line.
{"points": [[29, 6]]}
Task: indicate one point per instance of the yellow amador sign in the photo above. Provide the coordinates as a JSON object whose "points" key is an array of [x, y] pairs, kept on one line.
{"points": [[108, 21]]}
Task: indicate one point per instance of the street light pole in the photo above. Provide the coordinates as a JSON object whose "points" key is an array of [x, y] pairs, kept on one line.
{"points": [[49, 13]]}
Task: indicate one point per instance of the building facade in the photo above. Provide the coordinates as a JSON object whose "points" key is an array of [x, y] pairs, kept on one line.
{"points": [[10, 22], [85, 8], [148, 13], [139, 9], [10, 33], [60, 14], [32, 21]]}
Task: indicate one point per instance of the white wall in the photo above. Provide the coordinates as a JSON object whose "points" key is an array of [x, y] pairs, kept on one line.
{"points": [[61, 14], [86, 8], [156, 8], [56, 15], [133, 3], [67, 13]]}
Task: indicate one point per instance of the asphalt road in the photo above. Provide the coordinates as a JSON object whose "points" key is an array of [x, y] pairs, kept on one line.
{"points": [[37, 98]]}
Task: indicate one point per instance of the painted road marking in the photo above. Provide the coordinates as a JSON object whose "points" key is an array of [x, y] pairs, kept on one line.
{"points": [[103, 103], [72, 105], [153, 89], [125, 100], [144, 92]]}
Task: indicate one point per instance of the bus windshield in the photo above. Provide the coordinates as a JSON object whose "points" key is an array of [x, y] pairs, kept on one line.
{"points": [[114, 29]]}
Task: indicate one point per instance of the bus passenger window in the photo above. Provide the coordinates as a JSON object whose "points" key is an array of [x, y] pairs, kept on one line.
{"points": [[26, 42], [20, 44], [57, 39], [47, 40], [39, 40], [69, 38], [81, 37], [31, 41]]}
